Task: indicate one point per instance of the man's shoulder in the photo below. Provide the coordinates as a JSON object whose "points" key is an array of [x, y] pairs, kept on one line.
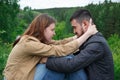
{"points": [[96, 38]]}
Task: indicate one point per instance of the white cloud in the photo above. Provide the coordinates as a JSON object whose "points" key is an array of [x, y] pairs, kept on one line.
{"points": [[42, 4]]}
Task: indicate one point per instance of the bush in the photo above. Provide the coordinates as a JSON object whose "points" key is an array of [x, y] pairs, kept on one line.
{"points": [[114, 42], [4, 52]]}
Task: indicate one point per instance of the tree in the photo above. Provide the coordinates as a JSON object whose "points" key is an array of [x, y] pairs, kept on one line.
{"points": [[8, 13]]}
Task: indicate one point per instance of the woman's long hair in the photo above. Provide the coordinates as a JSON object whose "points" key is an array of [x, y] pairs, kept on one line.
{"points": [[37, 27]]}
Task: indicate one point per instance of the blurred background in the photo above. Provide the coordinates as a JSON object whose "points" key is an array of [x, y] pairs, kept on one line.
{"points": [[16, 15]]}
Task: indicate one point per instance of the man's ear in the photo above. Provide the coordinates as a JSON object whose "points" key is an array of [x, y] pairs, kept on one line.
{"points": [[85, 24]]}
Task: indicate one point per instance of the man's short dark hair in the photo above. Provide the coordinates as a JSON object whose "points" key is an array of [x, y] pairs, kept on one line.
{"points": [[81, 15]]}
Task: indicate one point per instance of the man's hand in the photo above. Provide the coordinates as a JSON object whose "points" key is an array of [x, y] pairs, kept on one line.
{"points": [[43, 60]]}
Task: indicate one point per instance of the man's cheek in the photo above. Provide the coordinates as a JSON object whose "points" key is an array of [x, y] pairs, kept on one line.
{"points": [[78, 35]]}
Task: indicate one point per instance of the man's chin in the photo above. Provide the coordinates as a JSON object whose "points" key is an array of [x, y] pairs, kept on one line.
{"points": [[79, 35]]}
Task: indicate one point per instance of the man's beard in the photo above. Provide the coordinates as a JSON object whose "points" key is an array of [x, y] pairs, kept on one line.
{"points": [[82, 32]]}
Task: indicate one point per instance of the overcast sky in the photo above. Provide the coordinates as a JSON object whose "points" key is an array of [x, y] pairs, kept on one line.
{"points": [[43, 4]]}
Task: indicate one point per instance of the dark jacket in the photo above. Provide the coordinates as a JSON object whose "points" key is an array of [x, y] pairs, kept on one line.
{"points": [[94, 56]]}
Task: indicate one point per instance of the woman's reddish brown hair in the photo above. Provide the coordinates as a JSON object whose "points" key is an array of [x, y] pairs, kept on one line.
{"points": [[37, 27]]}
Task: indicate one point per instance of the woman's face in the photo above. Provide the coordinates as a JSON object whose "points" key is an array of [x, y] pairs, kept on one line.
{"points": [[49, 32]]}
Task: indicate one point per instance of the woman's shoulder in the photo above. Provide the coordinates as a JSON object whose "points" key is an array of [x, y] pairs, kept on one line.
{"points": [[27, 38]]}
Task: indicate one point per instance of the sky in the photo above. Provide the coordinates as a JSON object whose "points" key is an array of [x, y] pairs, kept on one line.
{"points": [[45, 4]]}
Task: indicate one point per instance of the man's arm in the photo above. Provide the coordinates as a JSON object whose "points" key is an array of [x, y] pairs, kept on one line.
{"points": [[90, 53]]}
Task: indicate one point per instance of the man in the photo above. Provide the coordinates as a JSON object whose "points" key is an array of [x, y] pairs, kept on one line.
{"points": [[94, 55]]}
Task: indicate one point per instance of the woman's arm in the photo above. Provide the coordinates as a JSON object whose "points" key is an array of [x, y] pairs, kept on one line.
{"points": [[33, 46], [64, 41]]}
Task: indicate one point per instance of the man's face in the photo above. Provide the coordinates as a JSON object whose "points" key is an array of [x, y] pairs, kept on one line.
{"points": [[77, 28]]}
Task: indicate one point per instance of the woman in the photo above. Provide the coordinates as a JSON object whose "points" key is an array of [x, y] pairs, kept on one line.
{"points": [[36, 43]]}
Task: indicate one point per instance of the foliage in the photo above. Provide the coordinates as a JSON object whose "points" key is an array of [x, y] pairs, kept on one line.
{"points": [[104, 19], [4, 52], [105, 16], [117, 66], [14, 21], [114, 42], [8, 13], [60, 31], [24, 18]]}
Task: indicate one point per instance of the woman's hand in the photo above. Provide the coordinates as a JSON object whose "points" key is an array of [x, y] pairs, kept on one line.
{"points": [[74, 37], [90, 31], [43, 60], [91, 28]]}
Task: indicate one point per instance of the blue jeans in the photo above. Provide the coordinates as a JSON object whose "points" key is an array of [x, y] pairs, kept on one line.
{"points": [[78, 75], [42, 73]]}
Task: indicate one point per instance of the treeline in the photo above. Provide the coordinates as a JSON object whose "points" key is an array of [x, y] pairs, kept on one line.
{"points": [[106, 16], [13, 20]]}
